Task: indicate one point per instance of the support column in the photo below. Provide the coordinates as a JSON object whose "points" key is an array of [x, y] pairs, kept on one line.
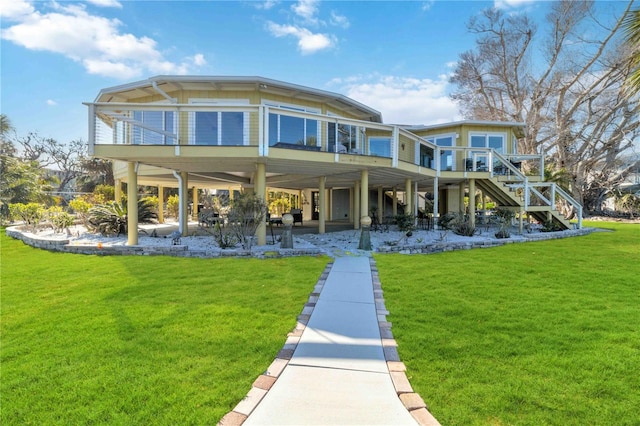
{"points": [[407, 190], [364, 193], [132, 204], [380, 205], [356, 205], [184, 204], [160, 204], [472, 202], [521, 222], [461, 188], [117, 191], [394, 205], [260, 190], [436, 203], [194, 212], [322, 208]]}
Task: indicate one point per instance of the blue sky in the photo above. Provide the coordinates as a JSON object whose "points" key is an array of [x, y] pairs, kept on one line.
{"points": [[394, 56]]}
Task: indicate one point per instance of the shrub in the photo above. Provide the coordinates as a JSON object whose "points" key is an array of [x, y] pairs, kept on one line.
{"points": [[458, 223], [224, 238], [405, 222], [104, 193], [504, 217], [153, 201], [246, 213], [81, 206], [31, 214], [58, 218], [111, 218], [173, 206], [550, 226]]}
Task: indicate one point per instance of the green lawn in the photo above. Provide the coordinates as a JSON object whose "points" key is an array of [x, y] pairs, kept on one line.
{"points": [[139, 340], [544, 333]]}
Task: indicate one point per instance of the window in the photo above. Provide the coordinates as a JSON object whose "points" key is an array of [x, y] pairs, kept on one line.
{"points": [[292, 130], [380, 146], [153, 128], [219, 127], [346, 136], [486, 140], [447, 157], [426, 156]]}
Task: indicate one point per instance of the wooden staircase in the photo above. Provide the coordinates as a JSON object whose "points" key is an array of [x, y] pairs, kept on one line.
{"points": [[521, 195]]}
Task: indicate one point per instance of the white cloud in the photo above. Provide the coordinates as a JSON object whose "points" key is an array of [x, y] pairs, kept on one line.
{"points": [[106, 3], [422, 101], [15, 9], [265, 5], [511, 4], [199, 60], [94, 41], [308, 42], [339, 20], [426, 5], [306, 9], [51, 102]]}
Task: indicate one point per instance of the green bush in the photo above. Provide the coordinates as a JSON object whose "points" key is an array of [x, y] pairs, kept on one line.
{"points": [[112, 219], [58, 218], [246, 213], [405, 222], [173, 206], [81, 206], [31, 214], [550, 226], [504, 217], [458, 223]]}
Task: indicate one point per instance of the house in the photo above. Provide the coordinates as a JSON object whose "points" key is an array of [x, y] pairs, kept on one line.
{"points": [[335, 154]]}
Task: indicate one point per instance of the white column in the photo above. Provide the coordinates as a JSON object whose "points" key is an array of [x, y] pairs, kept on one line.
{"points": [[260, 190], [364, 191], [322, 204], [132, 205]]}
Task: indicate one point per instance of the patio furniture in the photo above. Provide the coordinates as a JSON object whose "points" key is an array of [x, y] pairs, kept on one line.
{"points": [[297, 216]]}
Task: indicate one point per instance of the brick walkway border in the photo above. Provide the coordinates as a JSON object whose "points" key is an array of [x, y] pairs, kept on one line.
{"points": [[397, 370]]}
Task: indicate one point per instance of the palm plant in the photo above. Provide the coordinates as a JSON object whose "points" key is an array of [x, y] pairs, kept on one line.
{"points": [[632, 34], [111, 218]]}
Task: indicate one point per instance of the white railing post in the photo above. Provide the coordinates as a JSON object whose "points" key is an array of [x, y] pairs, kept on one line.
{"points": [[395, 146], [553, 196], [264, 140], [92, 129]]}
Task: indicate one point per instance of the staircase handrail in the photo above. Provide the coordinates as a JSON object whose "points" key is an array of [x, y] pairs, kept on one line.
{"points": [[505, 162], [563, 194]]}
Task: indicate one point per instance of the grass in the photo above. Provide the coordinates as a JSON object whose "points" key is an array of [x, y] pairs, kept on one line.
{"points": [[139, 340], [544, 333]]}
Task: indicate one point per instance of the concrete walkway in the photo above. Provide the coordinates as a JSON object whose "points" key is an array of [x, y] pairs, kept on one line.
{"points": [[339, 372]]}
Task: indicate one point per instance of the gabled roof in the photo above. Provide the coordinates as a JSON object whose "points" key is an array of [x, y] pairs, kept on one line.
{"points": [[171, 83]]}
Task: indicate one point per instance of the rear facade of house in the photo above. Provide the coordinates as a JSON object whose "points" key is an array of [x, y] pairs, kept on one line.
{"points": [[334, 156]]}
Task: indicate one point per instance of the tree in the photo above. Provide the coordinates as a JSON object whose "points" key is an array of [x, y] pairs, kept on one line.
{"points": [[566, 87], [632, 33], [66, 159]]}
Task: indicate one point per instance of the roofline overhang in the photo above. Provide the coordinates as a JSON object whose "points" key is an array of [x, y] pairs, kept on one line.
{"points": [[152, 82], [463, 123]]}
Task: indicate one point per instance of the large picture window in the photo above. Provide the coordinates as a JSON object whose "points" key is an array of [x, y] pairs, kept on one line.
{"points": [[486, 140], [288, 129], [380, 146], [447, 157], [227, 128], [153, 128], [347, 137]]}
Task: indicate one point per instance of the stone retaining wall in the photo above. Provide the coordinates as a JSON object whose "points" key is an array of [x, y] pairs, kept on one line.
{"points": [[64, 245], [462, 245]]}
